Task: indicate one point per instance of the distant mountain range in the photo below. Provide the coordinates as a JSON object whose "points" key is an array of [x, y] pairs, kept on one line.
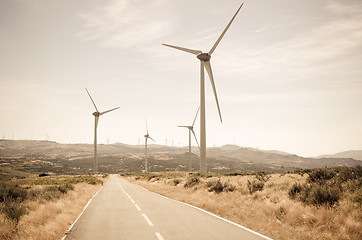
{"points": [[355, 154], [49, 156]]}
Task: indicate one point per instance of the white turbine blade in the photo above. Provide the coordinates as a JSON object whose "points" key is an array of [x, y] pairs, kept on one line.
{"points": [[108, 111], [209, 71], [146, 125], [195, 117], [223, 33], [91, 99], [151, 138], [183, 126], [196, 52], [192, 130]]}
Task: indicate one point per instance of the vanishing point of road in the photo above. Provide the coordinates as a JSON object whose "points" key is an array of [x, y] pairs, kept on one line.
{"points": [[122, 210]]}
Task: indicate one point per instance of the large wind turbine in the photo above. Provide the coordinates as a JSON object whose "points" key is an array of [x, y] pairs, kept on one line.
{"points": [[96, 115], [191, 130], [147, 136], [205, 63]]}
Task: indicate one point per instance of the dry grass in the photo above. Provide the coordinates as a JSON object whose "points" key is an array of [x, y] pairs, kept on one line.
{"points": [[269, 211], [48, 219]]}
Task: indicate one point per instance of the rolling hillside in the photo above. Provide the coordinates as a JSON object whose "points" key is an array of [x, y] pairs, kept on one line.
{"points": [[47, 156]]}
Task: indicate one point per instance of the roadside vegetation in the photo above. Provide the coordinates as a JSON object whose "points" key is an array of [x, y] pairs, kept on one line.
{"points": [[43, 207], [306, 204]]}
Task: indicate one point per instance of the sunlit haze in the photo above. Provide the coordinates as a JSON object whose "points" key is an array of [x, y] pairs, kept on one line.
{"points": [[288, 73]]}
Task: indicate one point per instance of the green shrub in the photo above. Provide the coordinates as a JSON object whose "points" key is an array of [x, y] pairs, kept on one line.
{"points": [[176, 182], [192, 181], [321, 175], [255, 186], [216, 186], [13, 211], [65, 187], [262, 176], [322, 195], [10, 192], [229, 187], [295, 189]]}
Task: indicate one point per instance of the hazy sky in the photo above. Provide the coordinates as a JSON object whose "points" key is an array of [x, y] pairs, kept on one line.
{"points": [[288, 73]]}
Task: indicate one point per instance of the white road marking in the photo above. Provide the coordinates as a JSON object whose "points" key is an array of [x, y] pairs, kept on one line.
{"points": [[147, 220], [139, 209], [159, 236], [132, 201], [212, 214]]}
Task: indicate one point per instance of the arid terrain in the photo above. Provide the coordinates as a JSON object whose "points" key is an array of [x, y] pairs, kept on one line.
{"points": [[21, 157], [43, 207], [44, 186], [316, 204]]}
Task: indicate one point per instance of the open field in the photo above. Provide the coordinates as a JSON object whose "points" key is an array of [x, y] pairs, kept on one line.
{"points": [[43, 207], [268, 203]]}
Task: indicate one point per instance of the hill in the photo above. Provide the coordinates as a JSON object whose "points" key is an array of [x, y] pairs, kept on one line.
{"points": [[355, 154], [52, 157]]}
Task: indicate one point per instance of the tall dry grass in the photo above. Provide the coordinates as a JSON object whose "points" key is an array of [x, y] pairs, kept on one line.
{"points": [[48, 219], [269, 211]]}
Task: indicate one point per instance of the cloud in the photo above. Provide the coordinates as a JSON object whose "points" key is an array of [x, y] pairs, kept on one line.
{"points": [[321, 48], [126, 23]]}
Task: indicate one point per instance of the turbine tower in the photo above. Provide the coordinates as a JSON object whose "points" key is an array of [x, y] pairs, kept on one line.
{"points": [[205, 63], [147, 136], [96, 115], [191, 130]]}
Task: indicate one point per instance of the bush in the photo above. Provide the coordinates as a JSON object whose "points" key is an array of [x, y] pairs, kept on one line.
{"points": [[14, 211], [215, 186], [296, 188], [65, 187], [255, 186], [176, 182], [192, 181], [9, 192], [322, 195], [321, 175], [262, 176]]}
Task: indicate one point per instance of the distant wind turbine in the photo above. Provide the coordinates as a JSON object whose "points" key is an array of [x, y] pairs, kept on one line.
{"points": [[205, 63], [191, 130], [147, 136], [96, 117]]}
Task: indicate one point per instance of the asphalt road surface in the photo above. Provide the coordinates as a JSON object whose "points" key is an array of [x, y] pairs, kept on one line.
{"points": [[122, 210]]}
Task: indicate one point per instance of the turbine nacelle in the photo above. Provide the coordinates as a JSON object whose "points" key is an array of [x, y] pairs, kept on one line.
{"points": [[204, 57], [96, 114]]}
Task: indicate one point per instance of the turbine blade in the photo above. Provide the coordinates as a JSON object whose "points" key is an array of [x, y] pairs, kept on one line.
{"points": [[223, 33], [195, 137], [146, 125], [209, 71], [108, 111], [196, 52], [151, 138], [196, 116], [91, 99], [183, 126]]}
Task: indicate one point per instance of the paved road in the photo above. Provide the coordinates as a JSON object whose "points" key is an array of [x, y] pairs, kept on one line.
{"points": [[122, 210]]}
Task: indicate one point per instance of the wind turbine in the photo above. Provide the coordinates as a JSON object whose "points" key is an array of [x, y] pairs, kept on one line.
{"points": [[96, 115], [147, 136], [205, 63], [191, 129]]}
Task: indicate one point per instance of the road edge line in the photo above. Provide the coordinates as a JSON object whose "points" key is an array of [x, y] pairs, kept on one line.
{"points": [[84, 208], [212, 214]]}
